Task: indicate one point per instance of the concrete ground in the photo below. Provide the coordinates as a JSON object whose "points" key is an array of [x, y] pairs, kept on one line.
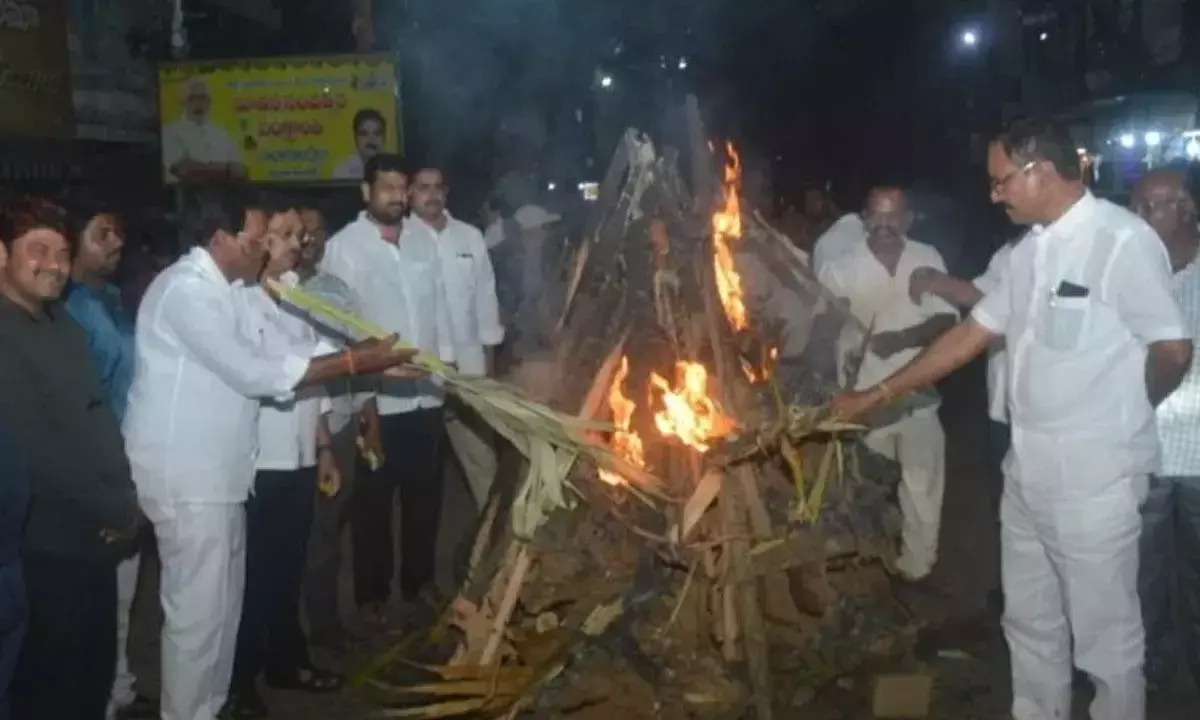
{"points": [[971, 671]]}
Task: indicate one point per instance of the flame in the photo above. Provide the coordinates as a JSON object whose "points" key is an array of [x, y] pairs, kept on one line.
{"points": [[727, 225], [624, 443], [689, 413]]}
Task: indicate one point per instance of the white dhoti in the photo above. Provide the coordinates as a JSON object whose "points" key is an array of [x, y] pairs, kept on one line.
{"points": [[203, 553], [1069, 553], [918, 444], [472, 440], [123, 692]]}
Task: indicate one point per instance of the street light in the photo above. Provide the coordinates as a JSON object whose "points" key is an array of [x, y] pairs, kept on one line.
{"points": [[1153, 138], [1127, 140], [969, 38], [606, 81], [683, 63]]}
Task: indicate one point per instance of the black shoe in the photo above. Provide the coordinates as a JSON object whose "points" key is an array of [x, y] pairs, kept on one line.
{"points": [[244, 705]]}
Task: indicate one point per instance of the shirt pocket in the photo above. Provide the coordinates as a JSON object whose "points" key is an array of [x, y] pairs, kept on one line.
{"points": [[1066, 322], [463, 271]]}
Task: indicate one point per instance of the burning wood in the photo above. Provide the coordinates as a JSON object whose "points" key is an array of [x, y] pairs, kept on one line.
{"points": [[758, 547]]}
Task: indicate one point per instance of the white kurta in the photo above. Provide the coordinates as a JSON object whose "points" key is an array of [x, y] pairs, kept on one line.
{"points": [[475, 320], [400, 288], [190, 433], [916, 440], [1081, 301]]}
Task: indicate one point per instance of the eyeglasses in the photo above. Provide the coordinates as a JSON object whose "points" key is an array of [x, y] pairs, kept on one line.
{"points": [[997, 184]]}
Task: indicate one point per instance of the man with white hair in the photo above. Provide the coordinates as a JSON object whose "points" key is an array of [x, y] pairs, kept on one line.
{"points": [[196, 150]]}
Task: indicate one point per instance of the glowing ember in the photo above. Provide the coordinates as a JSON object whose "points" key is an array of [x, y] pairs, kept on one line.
{"points": [[727, 225], [688, 412], [624, 443]]}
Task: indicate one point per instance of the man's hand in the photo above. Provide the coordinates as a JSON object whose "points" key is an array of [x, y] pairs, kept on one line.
{"points": [[370, 443], [329, 477], [924, 280], [852, 404], [375, 355]]}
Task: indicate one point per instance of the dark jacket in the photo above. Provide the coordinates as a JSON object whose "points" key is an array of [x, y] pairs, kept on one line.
{"points": [[14, 496], [52, 400]]}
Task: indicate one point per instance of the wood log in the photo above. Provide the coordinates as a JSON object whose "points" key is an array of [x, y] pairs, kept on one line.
{"points": [[744, 588]]}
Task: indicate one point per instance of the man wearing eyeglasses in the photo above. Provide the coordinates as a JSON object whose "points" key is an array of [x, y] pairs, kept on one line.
{"points": [[1095, 341], [873, 278]]}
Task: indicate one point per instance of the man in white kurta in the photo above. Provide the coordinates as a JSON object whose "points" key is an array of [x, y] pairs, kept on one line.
{"points": [[1094, 341], [874, 279], [474, 315], [191, 436], [395, 271]]}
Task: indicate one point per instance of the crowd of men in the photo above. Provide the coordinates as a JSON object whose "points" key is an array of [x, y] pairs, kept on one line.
{"points": [[241, 434], [233, 434]]}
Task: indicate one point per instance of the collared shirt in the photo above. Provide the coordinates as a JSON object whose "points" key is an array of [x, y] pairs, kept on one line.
{"points": [[842, 238], [109, 331], [52, 401], [997, 375], [470, 290], [401, 289], [191, 430], [1082, 300], [881, 299], [287, 429], [1179, 414]]}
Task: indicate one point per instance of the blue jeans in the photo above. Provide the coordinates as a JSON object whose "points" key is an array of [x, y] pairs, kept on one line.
{"points": [[14, 612]]}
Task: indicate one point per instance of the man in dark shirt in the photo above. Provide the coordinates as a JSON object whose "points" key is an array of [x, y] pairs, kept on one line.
{"points": [[14, 499], [83, 508]]}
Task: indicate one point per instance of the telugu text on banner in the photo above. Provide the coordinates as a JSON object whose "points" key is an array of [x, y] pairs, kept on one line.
{"points": [[283, 120]]}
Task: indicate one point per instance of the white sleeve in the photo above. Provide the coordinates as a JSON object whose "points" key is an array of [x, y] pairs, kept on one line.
{"points": [[931, 304], [487, 308], [445, 329], [206, 326], [1141, 288]]}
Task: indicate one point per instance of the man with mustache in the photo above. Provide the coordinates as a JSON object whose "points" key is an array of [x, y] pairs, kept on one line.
{"points": [[294, 459], [474, 315], [191, 436], [394, 269], [83, 511], [96, 304], [370, 129], [873, 278], [1170, 540], [1095, 341]]}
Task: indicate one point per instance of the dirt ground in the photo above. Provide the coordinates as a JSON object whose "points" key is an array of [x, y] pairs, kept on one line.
{"points": [[967, 656]]}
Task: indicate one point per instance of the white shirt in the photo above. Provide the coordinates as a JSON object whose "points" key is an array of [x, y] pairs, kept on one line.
{"points": [[350, 168], [203, 142], [840, 239], [400, 288], [879, 297], [997, 375], [1179, 414], [778, 298], [191, 427], [1076, 365], [470, 290], [287, 429]]}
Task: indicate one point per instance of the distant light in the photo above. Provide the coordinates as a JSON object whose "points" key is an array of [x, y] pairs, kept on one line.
{"points": [[1153, 138], [1127, 140], [552, 187], [1193, 149], [1081, 150], [683, 63], [1044, 36], [606, 81], [969, 38]]}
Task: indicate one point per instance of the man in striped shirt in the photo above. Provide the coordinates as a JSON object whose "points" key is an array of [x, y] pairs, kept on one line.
{"points": [[1171, 515]]}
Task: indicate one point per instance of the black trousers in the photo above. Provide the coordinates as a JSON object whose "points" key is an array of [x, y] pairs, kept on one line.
{"points": [[278, 519], [66, 668], [412, 444], [330, 515]]}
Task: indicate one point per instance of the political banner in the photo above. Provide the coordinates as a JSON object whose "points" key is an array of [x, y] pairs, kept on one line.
{"points": [[302, 120]]}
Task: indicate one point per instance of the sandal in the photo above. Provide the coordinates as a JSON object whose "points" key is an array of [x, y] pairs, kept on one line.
{"points": [[243, 706], [307, 679]]}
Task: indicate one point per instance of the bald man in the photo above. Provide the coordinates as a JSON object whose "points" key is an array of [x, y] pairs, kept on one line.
{"points": [[873, 279], [193, 148], [1170, 541]]}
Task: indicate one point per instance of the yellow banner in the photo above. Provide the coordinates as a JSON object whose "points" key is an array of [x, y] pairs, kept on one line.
{"points": [[282, 120]]}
